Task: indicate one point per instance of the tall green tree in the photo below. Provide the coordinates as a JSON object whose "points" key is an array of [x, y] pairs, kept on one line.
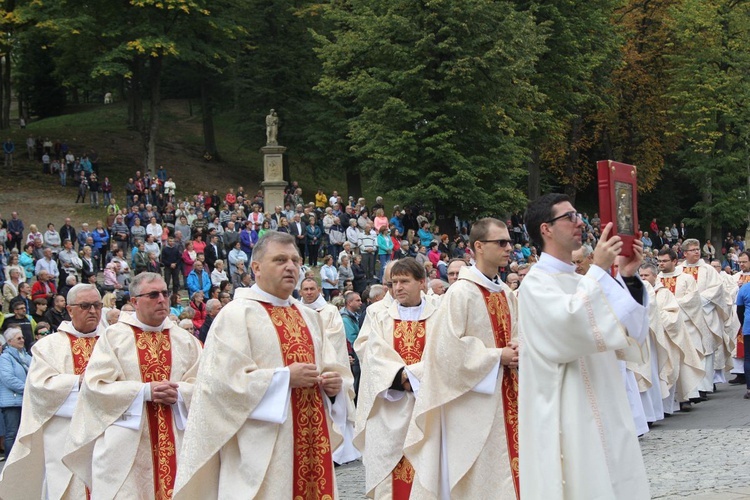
{"points": [[442, 94], [710, 95]]}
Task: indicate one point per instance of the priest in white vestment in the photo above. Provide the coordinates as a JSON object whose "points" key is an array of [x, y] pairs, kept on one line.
{"points": [[391, 361], [34, 468], [681, 368], [576, 432], [716, 310], [132, 408], [260, 423], [463, 440], [333, 325]]}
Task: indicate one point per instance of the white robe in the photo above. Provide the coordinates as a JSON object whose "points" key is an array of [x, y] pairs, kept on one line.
{"points": [[109, 447], [239, 439], [576, 432], [34, 468]]}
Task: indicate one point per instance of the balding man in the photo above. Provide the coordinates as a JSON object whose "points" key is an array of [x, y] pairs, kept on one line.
{"points": [[583, 258], [454, 268], [213, 306], [52, 388], [436, 287]]}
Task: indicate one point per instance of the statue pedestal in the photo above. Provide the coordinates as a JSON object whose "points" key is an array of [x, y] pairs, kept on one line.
{"points": [[273, 174]]}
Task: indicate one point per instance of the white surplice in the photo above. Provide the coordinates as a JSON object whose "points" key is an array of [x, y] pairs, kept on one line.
{"points": [[577, 437]]}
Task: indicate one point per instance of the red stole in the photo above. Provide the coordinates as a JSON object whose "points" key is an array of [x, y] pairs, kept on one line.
{"points": [[670, 283], [692, 271], [313, 464], [499, 312], [81, 348], [409, 338], [155, 360]]}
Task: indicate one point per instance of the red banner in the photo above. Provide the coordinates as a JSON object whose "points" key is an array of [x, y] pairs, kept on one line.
{"points": [[313, 464], [155, 360], [499, 312]]}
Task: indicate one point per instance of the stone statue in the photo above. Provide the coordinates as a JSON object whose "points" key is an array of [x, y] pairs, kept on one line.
{"points": [[272, 128]]}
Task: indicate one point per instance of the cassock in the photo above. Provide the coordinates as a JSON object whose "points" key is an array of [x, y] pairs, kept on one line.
{"points": [[463, 440], [333, 326], [685, 290], [249, 434], [688, 366], [395, 338], [34, 468], [655, 374], [576, 431], [717, 312], [117, 434], [738, 357]]}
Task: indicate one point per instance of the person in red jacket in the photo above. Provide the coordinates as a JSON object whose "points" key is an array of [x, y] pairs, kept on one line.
{"points": [[44, 288]]}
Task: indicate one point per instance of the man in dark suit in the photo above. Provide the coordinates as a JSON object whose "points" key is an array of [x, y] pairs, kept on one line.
{"points": [[214, 251], [213, 306], [298, 229]]}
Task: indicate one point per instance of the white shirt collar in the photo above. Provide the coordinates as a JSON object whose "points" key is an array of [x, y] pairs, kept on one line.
{"points": [[272, 299], [317, 304], [551, 263], [410, 313], [147, 328]]}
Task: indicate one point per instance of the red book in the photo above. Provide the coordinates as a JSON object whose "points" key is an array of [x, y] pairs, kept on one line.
{"points": [[618, 201]]}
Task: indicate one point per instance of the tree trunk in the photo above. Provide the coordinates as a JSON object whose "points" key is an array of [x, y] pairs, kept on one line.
{"points": [[6, 88], [534, 182], [353, 182], [708, 201], [135, 99], [75, 97], [151, 132], [209, 138]]}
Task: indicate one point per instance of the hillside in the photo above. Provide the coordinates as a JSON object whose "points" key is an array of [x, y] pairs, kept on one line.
{"points": [[40, 199]]}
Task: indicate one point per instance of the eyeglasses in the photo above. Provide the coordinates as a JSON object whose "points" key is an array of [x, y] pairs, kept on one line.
{"points": [[155, 295], [88, 305], [502, 243], [388, 284], [572, 216]]}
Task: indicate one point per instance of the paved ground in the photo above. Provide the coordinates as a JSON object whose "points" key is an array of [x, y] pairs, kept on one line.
{"points": [[698, 455]]}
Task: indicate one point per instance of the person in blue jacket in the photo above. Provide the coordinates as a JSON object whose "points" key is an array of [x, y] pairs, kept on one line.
{"points": [[198, 280], [14, 365]]}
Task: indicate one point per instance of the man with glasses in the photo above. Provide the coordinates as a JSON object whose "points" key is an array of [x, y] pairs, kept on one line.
{"points": [[688, 366], [126, 430], [52, 390], [741, 279], [716, 311], [470, 376], [576, 430]]}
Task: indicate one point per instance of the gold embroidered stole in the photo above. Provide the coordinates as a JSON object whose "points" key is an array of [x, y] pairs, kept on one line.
{"points": [[692, 271], [155, 360], [81, 349], [409, 338], [499, 312], [313, 464], [670, 283]]}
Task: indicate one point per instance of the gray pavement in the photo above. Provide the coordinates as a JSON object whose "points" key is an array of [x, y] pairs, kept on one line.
{"points": [[700, 455]]}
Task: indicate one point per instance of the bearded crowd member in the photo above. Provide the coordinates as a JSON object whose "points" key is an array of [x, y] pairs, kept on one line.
{"points": [[470, 376], [35, 468], [738, 361], [333, 326], [682, 358], [573, 409], [688, 297], [716, 312], [391, 362], [260, 423], [126, 431]]}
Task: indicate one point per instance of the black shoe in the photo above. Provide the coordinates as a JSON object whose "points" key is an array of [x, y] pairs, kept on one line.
{"points": [[739, 379], [685, 407], [747, 395]]}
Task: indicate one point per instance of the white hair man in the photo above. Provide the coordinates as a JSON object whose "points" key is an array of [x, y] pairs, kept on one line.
{"points": [[52, 389], [127, 426]]}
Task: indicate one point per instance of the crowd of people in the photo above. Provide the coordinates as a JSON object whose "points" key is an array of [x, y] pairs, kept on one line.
{"points": [[388, 330]]}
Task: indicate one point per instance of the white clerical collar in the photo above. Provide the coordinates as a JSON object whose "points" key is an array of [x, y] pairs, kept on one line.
{"points": [[411, 313], [148, 328], [67, 327], [317, 304], [677, 271], [485, 281], [553, 263], [272, 299], [687, 264]]}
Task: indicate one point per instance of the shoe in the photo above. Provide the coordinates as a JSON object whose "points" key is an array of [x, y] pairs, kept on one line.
{"points": [[686, 407], [747, 395], [738, 380]]}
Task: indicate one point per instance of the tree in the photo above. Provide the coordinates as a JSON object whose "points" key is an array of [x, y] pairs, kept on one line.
{"points": [[442, 92], [710, 91]]}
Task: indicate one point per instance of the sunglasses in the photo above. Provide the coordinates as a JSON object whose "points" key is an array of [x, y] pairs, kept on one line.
{"points": [[88, 305], [502, 243]]}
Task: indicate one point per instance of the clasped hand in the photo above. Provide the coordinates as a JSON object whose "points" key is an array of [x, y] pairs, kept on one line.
{"points": [[306, 375], [164, 392], [509, 356]]}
